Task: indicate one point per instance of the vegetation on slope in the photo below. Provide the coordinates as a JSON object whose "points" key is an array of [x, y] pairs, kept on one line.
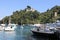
{"points": [[28, 16]]}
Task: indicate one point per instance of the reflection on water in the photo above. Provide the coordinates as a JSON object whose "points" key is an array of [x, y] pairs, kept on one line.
{"points": [[44, 38], [21, 34]]}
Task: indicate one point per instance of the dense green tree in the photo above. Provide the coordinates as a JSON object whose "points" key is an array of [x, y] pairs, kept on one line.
{"points": [[30, 17]]}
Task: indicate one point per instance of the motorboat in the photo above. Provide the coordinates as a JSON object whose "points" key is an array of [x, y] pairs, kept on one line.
{"points": [[10, 27], [45, 31], [2, 26], [58, 23], [42, 31], [36, 25]]}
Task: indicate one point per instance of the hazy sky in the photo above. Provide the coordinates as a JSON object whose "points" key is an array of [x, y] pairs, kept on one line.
{"points": [[8, 6]]}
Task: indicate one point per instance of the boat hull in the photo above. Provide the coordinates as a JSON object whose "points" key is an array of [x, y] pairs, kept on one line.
{"points": [[42, 34]]}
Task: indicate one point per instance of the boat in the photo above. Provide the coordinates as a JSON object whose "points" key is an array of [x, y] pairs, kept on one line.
{"points": [[2, 26], [10, 27], [36, 25], [43, 31], [58, 24]]}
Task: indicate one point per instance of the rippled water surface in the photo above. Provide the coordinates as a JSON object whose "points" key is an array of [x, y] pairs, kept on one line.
{"points": [[21, 34]]}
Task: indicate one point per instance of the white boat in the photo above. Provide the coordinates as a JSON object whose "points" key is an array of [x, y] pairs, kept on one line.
{"points": [[2, 26], [58, 23], [36, 25], [10, 27]]}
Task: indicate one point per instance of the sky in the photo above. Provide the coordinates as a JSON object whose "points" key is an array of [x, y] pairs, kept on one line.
{"points": [[7, 7]]}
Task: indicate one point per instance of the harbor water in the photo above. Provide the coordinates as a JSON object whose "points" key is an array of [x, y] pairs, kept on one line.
{"points": [[22, 33]]}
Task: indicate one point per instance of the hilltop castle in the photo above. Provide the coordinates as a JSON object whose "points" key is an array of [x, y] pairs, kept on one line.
{"points": [[29, 9]]}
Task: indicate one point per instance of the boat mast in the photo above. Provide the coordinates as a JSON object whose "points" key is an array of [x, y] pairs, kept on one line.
{"points": [[3, 21], [9, 20]]}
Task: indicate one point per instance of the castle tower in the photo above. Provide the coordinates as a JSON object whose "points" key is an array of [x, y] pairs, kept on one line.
{"points": [[55, 14], [29, 9]]}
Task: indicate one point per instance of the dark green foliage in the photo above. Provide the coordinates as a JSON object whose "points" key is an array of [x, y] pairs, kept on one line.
{"points": [[30, 17]]}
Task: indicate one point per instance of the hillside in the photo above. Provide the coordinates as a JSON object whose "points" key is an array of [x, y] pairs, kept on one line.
{"points": [[32, 16]]}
